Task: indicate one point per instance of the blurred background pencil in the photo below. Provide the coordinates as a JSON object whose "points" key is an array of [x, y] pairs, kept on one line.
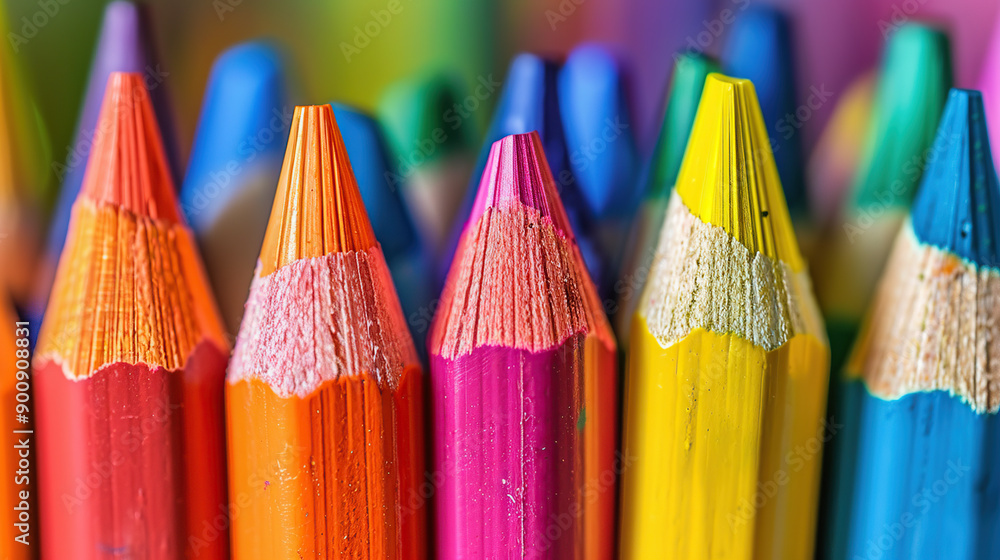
{"points": [[728, 360], [523, 377], [432, 126], [324, 389], [130, 362], [912, 86], [235, 162], [25, 186], [601, 148], [928, 461]]}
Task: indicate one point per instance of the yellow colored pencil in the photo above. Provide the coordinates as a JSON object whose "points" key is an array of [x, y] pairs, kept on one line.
{"points": [[728, 367]]}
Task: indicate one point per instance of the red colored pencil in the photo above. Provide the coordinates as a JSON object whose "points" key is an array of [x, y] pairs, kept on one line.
{"points": [[130, 363]]}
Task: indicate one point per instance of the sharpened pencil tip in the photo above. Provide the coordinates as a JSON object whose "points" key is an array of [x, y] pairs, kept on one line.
{"points": [[518, 174], [729, 178], [128, 166], [318, 208], [958, 205]]}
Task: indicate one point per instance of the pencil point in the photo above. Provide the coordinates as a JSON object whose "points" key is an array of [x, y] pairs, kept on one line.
{"points": [[958, 205], [127, 165], [912, 90], [317, 209], [517, 174], [729, 179]]}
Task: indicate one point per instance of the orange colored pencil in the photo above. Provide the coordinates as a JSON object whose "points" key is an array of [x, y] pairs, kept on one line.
{"points": [[130, 363], [324, 389]]}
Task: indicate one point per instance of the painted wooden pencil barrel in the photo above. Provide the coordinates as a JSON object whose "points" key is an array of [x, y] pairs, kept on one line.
{"points": [[927, 478], [324, 392], [523, 379], [130, 363], [728, 361]]}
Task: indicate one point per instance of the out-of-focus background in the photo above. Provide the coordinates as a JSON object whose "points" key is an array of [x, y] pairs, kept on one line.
{"points": [[350, 50]]}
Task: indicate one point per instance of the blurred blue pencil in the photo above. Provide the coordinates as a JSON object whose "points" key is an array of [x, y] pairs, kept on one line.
{"points": [[408, 262], [927, 480], [529, 102], [235, 162], [759, 48], [602, 150]]}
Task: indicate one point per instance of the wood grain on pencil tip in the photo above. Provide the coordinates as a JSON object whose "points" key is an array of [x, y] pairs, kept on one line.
{"points": [[324, 390], [130, 362]]}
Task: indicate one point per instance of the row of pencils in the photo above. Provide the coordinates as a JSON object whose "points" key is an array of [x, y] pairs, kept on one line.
{"points": [[555, 351]]}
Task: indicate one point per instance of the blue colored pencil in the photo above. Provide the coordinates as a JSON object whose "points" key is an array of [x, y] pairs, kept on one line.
{"points": [[602, 149], [927, 481], [235, 163]]}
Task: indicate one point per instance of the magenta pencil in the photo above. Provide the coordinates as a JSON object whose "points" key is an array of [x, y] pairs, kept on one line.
{"points": [[523, 378]]}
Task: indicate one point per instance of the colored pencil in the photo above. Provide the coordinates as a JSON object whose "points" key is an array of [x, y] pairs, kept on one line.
{"points": [[529, 101], [659, 177], [431, 125], [912, 87], [759, 47], [18, 517], [600, 140], [523, 378], [235, 163], [409, 263], [324, 390], [728, 360], [125, 44], [834, 162], [928, 463], [130, 362]]}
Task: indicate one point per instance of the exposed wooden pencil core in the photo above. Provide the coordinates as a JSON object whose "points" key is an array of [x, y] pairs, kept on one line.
{"points": [[317, 207], [129, 259], [933, 326], [702, 277], [518, 280]]}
